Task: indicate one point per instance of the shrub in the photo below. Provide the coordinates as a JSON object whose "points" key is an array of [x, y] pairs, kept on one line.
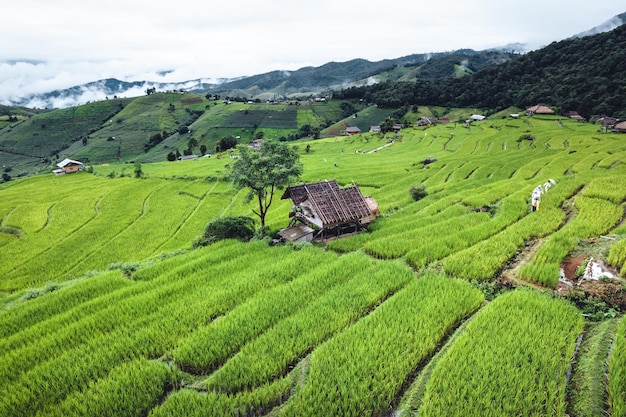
{"points": [[230, 227], [225, 143], [418, 192]]}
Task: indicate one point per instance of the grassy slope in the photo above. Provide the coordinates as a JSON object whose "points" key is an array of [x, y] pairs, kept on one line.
{"points": [[71, 225], [117, 130], [473, 157]]}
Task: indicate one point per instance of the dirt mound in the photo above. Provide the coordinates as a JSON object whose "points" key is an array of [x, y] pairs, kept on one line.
{"points": [[583, 277]]}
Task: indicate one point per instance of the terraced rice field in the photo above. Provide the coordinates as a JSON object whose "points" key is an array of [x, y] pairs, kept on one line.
{"points": [[106, 309]]}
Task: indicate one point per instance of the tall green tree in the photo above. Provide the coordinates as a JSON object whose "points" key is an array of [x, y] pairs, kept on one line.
{"points": [[265, 171]]}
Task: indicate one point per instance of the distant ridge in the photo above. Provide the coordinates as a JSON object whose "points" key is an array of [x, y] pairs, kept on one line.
{"points": [[609, 25], [307, 80]]}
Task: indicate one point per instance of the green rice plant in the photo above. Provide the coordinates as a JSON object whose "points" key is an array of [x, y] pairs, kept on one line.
{"points": [[212, 345], [617, 373], [270, 355], [29, 216], [361, 370], [483, 260], [399, 244], [511, 359], [76, 326], [259, 401], [153, 324], [131, 389], [447, 242], [612, 188], [108, 215], [410, 218], [155, 328], [617, 256], [23, 315], [595, 216], [587, 389]]}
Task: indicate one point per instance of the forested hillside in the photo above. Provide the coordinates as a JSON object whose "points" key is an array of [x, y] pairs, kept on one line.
{"points": [[586, 75]]}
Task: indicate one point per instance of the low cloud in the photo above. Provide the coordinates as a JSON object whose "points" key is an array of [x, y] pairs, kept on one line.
{"points": [[163, 42], [23, 83]]}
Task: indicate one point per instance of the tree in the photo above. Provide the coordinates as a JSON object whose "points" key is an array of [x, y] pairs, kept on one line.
{"points": [[225, 143], [203, 149], [264, 171], [387, 125], [418, 192], [315, 132], [138, 171], [230, 227]]}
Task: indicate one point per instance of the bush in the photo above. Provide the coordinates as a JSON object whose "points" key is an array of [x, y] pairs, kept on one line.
{"points": [[225, 143], [230, 227], [418, 192]]}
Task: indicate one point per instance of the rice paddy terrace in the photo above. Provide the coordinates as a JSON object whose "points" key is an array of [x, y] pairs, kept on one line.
{"points": [[453, 305]]}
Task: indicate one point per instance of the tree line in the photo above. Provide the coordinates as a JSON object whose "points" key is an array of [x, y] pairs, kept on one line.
{"points": [[586, 75]]}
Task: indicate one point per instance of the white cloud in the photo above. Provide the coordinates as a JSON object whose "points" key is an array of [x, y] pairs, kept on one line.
{"points": [[75, 42]]}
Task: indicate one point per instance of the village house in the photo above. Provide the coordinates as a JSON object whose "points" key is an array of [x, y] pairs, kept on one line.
{"points": [[327, 210], [375, 129], [425, 121], [605, 121], [575, 116], [539, 109], [68, 166], [255, 144], [352, 130], [620, 127]]}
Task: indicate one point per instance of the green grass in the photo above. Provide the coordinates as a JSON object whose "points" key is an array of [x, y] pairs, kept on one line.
{"points": [[617, 373], [101, 287], [587, 390], [510, 360]]}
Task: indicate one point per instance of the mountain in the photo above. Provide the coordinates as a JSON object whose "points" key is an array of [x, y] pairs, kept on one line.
{"points": [[607, 26], [109, 88], [336, 75], [307, 80], [585, 75]]}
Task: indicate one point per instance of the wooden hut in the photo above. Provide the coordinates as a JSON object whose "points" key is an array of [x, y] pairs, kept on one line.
{"points": [[68, 166], [539, 109], [330, 210], [620, 127]]}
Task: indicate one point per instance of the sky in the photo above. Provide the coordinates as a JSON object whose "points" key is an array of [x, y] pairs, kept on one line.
{"points": [[48, 45]]}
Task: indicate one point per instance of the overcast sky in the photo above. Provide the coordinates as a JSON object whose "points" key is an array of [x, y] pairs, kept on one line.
{"points": [[47, 45]]}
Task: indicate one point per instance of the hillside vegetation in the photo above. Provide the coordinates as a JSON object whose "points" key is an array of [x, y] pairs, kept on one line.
{"points": [[583, 74], [148, 128], [449, 305]]}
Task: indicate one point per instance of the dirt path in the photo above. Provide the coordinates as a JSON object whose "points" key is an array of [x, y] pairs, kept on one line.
{"points": [[510, 274]]}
